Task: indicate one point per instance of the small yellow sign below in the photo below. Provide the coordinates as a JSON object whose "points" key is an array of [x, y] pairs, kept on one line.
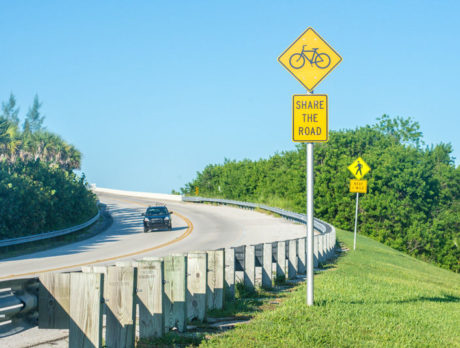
{"points": [[359, 186], [309, 59], [309, 118], [359, 168]]}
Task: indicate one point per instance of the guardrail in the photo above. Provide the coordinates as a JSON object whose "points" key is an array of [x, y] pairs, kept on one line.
{"points": [[46, 235], [320, 225], [186, 286]]}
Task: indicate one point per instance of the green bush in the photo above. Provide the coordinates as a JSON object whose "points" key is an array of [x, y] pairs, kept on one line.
{"points": [[412, 202], [37, 198]]}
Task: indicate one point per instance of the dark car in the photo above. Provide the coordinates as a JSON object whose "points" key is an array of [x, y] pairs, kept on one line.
{"points": [[157, 217]]}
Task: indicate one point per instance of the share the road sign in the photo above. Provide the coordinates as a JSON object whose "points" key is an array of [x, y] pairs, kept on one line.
{"points": [[309, 118], [359, 168], [359, 186], [309, 59]]}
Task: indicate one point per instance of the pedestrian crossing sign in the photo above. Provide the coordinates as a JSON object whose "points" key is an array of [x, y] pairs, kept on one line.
{"points": [[359, 168]]}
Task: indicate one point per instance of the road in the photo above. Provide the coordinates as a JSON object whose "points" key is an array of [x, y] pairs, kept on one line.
{"points": [[195, 227]]}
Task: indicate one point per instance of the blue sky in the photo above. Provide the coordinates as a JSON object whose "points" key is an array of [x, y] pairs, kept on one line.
{"points": [[152, 91]]}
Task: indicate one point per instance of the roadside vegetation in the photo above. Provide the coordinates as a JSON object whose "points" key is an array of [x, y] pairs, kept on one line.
{"points": [[412, 202], [39, 190], [374, 296]]}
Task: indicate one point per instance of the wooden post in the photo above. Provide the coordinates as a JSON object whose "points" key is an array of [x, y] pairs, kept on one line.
{"points": [[121, 307], [320, 249], [281, 260], [150, 298], [54, 301], [175, 289], [215, 289], [315, 250], [196, 285], [302, 255], [267, 266], [292, 265], [85, 327], [250, 266], [230, 273]]}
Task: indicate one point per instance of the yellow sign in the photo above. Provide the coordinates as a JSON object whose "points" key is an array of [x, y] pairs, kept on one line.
{"points": [[197, 190], [359, 168], [359, 186], [309, 118], [309, 59]]}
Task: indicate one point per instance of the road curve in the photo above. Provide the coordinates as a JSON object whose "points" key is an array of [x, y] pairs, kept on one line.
{"points": [[195, 227]]}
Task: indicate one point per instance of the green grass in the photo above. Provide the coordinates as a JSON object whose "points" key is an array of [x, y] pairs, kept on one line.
{"points": [[373, 297]]}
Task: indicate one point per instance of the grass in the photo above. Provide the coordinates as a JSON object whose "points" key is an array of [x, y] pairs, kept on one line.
{"points": [[372, 297]]}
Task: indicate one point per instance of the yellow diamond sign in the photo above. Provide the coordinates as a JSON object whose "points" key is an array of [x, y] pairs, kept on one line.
{"points": [[359, 168], [309, 59]]}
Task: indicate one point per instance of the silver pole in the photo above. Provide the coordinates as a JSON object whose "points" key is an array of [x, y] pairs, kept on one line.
{"points": [[356, 220], [310, 231]]}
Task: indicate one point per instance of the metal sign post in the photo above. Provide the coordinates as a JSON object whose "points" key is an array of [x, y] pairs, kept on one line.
{"points": [[310, 232], [358, 168], [309, 59], [356, 220]]}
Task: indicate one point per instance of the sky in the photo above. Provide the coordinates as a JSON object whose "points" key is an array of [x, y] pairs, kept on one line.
{"points": [[153, 91]]}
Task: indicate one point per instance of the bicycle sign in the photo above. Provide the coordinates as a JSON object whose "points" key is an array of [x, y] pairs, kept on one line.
{"points": [[310, 59], [321, 60]]}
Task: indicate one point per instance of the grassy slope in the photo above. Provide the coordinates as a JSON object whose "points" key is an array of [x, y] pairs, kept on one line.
{"points": [[375, 297]]}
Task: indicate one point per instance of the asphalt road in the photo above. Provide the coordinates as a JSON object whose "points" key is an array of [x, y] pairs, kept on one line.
{"points": [[195, 227]]}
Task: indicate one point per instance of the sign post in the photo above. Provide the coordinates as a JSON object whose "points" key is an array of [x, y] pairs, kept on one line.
{"points": [[358, 168], [309, 59]]}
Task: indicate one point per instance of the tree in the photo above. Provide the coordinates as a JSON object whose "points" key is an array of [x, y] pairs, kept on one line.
{"points": [[33, 121], [10, 111]]}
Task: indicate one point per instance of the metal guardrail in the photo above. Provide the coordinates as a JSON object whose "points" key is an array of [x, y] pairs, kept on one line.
{"points": [[18, 305], [320, 225], [46, 235]]}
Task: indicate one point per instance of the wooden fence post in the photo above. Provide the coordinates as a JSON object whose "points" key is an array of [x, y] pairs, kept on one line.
{"points": [[54, 301], [85, 327], [250, 266], [267, 266], [196, 285], [174, 290], [230, 273], [150, 297], [315, 250], [302, 255], [292, 264], [281, 260], [121, 307], [216, 270]]}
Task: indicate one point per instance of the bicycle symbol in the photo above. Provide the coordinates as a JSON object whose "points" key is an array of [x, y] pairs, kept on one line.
{"points": [[321, 60]]}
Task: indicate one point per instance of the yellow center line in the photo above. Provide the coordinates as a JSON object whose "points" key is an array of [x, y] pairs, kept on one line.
{"points": [[187, 232]]}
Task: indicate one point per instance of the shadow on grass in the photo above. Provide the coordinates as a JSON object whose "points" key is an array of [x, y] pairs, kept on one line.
{"points": [[439, 299]]}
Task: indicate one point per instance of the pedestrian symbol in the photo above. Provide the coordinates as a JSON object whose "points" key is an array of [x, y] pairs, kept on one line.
{"points": [[359, 168]]}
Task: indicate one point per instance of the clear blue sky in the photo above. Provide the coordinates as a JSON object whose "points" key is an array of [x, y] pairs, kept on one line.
{"points": [[152, 91]]}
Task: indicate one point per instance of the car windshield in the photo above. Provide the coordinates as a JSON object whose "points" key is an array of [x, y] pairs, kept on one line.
{"points": [[157, 211]]}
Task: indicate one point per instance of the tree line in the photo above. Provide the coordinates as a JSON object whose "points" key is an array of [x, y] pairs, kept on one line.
{"points": [[39, 190], [412, 202]]}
